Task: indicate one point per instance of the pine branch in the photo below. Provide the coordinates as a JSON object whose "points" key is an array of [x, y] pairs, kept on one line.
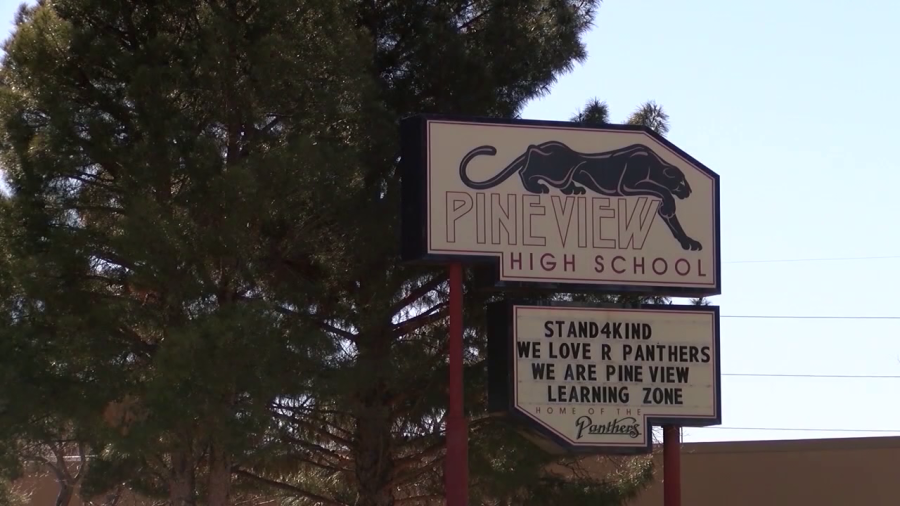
{"points": [[105, 209], [336, 459], [332, 412], [319, 323], [289, 488], [419, 499], [82, 461], [114, 258], [464, 28], [417, 293], [308, 459], [407, 463], [414, 390], [308, 414], [431, 315], [413, 475], [404, 464]]}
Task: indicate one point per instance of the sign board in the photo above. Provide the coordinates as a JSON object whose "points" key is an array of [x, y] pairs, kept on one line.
{"points": [[560, 205], [596, 379]]}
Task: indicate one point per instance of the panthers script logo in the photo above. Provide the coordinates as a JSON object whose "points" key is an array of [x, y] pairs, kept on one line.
{"points": [[630, 171]]}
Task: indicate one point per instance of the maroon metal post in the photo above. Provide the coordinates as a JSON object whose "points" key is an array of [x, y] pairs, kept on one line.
{"points": [[671, 465], [456, 474]]}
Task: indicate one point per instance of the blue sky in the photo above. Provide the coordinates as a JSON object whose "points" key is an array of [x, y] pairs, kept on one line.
{"points": [[794, 105]]}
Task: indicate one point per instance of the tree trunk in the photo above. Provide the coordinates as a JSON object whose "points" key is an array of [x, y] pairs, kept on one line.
{"points": [[374, 465], [181, 484], [374, 420], [63, 478], [65, 494], [219, 493]]}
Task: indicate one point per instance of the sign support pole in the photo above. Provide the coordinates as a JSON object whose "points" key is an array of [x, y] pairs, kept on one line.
{"points": [[456, 473], [671, 465]]}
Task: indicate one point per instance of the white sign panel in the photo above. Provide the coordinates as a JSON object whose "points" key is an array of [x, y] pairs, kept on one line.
{"points": [[560, 203], [599, 378]]}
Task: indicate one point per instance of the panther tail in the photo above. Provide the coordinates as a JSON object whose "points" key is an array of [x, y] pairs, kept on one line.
{"points": [[511, 169]]}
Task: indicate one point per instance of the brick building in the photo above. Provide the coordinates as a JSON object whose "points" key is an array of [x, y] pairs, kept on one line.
{"points": [[812, 472], [815, 472]]}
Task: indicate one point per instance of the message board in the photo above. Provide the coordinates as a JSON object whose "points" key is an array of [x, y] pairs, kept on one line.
{"points": [[596, 379], [560, 205]]}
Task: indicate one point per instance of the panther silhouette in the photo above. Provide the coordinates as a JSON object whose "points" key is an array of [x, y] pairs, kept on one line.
{"points": [[633, 170]]}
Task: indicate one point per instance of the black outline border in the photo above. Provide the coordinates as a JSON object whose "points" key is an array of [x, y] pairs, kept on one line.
{"points": [[501, 360], [414, 223]]}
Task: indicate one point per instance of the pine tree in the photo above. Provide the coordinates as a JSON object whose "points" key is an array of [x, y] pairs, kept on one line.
{"points": [[137, 210], [202, 243]]}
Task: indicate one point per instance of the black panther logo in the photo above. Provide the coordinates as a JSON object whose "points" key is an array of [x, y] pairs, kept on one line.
{"points": [[625, 172]]}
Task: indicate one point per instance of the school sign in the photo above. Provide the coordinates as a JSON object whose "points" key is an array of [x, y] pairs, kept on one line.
{"points": [[584, 377], [559, 205]]}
